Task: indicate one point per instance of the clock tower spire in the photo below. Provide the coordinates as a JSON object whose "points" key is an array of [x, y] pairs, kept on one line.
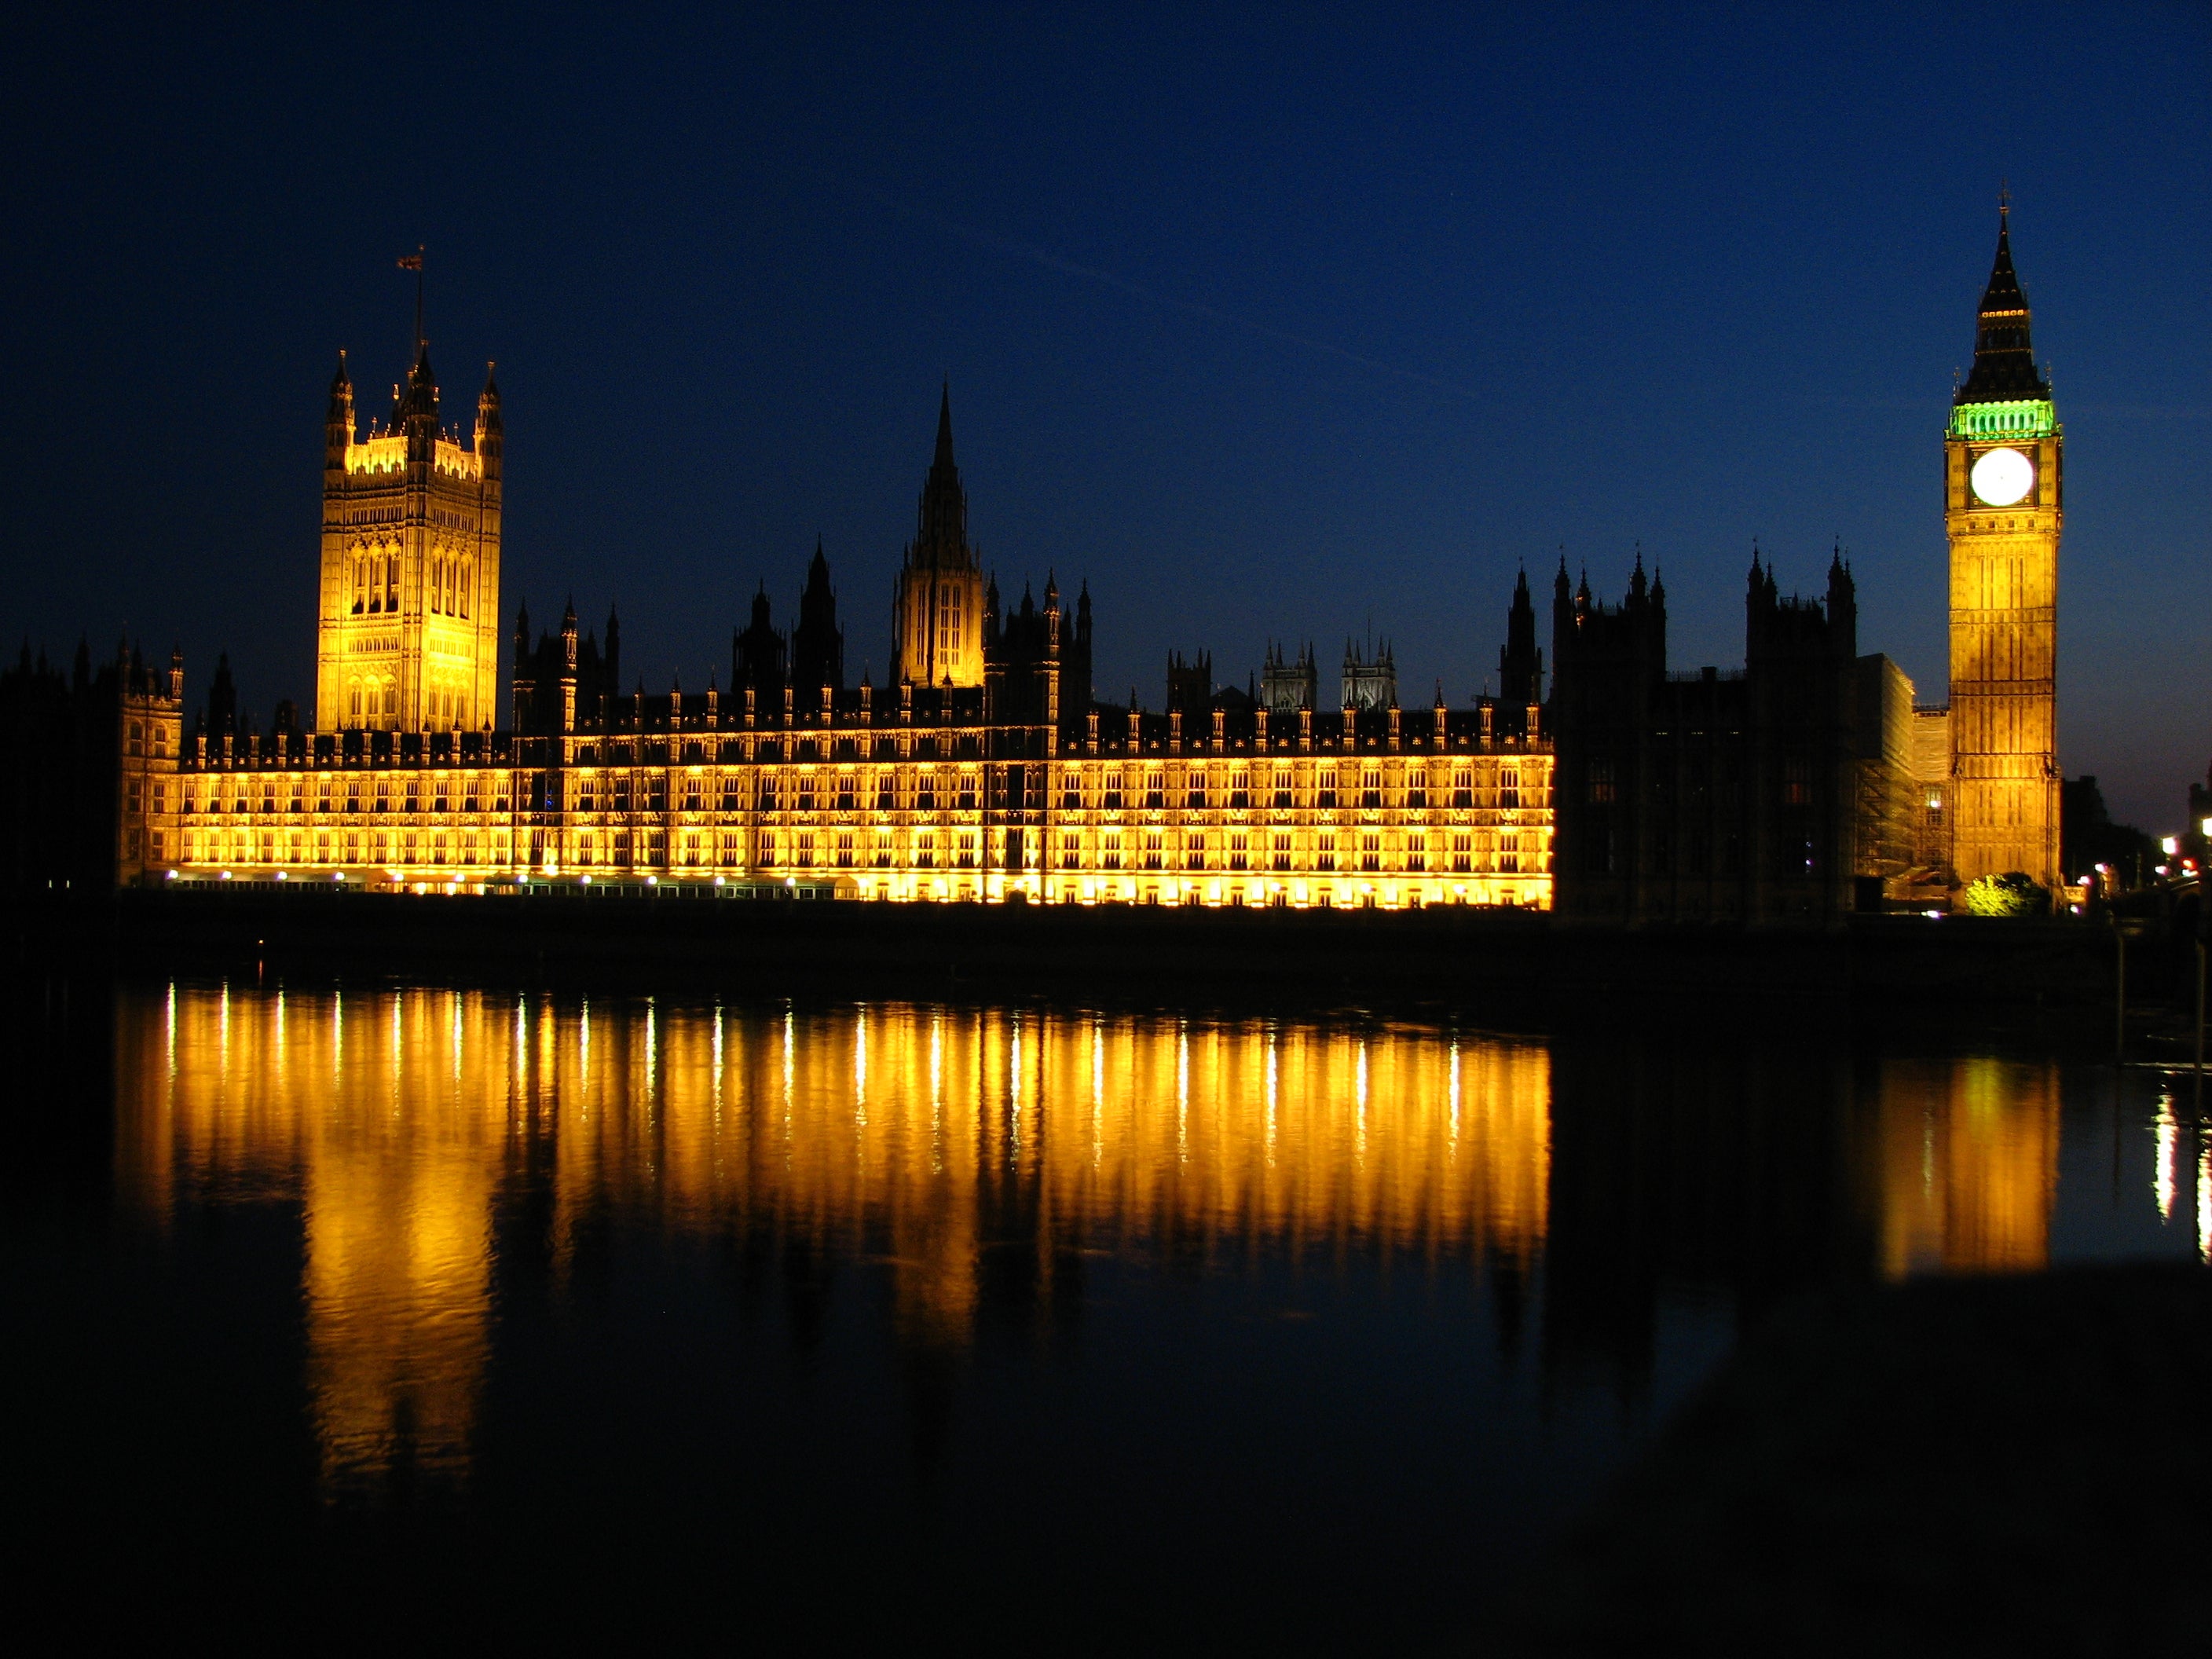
{"points": [[2001, 511], [2004, 361]]}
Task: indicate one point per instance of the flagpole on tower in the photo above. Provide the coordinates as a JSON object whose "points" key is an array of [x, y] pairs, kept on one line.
{"points": [[414, 262]]}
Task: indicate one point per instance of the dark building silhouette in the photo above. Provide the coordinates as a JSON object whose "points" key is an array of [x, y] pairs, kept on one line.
{"points": [[565, 678], [757, 656], [1190, 682], [1709, 796], [1024, 668], [818, 644], [87, 772], [1521, 664]]}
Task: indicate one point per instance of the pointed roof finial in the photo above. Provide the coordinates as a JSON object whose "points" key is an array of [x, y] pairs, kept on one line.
{"points": [[945, 424]]}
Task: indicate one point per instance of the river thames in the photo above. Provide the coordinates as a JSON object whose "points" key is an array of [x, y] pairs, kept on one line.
{"points": [[343, 1306]]}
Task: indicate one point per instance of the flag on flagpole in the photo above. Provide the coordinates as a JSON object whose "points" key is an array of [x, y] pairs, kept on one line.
{"points": [[411, 262]]}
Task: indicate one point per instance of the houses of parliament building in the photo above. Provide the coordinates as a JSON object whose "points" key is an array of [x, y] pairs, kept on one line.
{"points": [[983, 770], [1807, 784]]}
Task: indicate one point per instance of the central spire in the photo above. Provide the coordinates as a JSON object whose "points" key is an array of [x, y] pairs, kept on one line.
{"points": [[2004, 360], [941, 528]]}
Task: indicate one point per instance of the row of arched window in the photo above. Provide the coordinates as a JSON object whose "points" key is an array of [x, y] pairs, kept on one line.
{"points": [[372, 700], [449, 586], [376, 585]]}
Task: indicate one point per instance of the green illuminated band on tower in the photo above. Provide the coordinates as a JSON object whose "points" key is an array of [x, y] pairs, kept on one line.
{"points": [[2033, 418]]}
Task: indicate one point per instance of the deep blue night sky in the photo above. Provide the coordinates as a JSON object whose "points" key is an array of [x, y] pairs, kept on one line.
{"points": [[1267, 326]]}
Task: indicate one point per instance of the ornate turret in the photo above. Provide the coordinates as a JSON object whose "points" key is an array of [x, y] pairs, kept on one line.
{"points": [[1843, 598], [338, 423], [491, 433], [416, 415], [757, 654]]}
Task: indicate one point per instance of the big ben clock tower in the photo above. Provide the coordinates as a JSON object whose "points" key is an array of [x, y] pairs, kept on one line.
{"points": [[2000, 508]]}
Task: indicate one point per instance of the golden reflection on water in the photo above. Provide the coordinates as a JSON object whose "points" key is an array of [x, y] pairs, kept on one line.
{"points": [[1965, 1158], [904, 1136], [401, 1123]]}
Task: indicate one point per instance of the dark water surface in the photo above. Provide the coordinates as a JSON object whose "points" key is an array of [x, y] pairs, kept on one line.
{"points": [[363, 1309]]}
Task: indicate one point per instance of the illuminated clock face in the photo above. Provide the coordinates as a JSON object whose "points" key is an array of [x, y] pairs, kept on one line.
{"points": [[2002, 477]]}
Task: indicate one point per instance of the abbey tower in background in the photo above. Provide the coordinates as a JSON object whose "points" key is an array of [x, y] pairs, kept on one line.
{"points": [[407, 629], [2002, 509]]}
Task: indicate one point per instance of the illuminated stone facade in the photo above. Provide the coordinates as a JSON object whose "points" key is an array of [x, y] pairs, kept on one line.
{"points": [[407, 631], [913, 797], [2001, 507]]}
